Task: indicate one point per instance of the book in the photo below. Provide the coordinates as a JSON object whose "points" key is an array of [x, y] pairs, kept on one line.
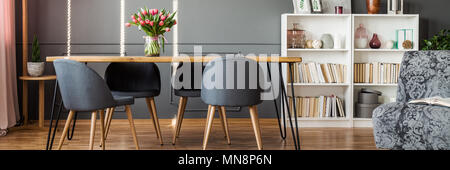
{"points": [[377, 73], [319, 73], [317, 107]]}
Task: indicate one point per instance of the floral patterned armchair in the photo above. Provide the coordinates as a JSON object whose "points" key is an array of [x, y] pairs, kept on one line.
{"points": [[406, 126]]}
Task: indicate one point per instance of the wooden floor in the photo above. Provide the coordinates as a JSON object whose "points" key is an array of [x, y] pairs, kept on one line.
{"points": [[241, 132]]}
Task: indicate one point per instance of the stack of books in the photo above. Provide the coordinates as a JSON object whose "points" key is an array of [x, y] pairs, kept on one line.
{"points": [[318, 107], [319, 73], [377, 73]]}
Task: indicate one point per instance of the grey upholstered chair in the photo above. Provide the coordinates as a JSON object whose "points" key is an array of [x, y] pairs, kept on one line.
{"points": [[140, 80], [192, 92], [401, 125], [236, 87], [83, 90]]}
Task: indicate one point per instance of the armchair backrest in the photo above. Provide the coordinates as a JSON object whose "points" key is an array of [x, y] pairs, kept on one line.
{"points": [[424, 74]]}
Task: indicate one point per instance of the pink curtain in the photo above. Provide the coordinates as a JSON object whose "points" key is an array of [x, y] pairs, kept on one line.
{"points": [[9, 109]]}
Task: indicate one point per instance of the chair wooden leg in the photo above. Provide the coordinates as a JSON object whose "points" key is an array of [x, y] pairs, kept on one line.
{"points": [[108, 119], [66, 128], [209, 121], [182, 115], [255, 122], [152, 108], [131, 121], [181, 108], [102, 128], [91, 138], [223, 117]]}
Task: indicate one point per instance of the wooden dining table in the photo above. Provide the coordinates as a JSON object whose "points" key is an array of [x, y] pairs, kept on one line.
{"points": [[165, 59], [203, 59]]}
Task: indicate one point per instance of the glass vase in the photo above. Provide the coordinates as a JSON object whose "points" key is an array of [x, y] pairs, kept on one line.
{"points": [[152, 46], [361, 37], [296, 37]]}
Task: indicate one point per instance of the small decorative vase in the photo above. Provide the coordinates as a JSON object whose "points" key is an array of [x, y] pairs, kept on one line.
{"points": [[337, 41], [361, 37], [317, 44], [389, 44], [152, 46], [375, 43], [327, 41], [309, 44], [373, 6], [35, 69]]}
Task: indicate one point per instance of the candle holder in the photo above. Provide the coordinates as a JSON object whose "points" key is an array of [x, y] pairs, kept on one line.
{"points": [[393, 7], [338, 9]]}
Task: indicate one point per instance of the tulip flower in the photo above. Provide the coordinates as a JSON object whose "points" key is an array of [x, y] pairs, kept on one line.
{"points": [[147, 21], [160, 13], [163, 18], [135, 21], [127, 24], [144, 12], [152, 23], [154, 11], [167, 29], [175, 22], [142, 23], [133, 17], [161, 23]]}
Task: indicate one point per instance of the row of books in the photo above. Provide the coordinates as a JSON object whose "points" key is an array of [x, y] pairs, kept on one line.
{"points": [[319, 73], [377, 73], [318, 107]]}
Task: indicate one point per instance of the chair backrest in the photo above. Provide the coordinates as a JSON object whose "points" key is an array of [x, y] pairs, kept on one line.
{"points": [[193, 73], [231, 82], [133, 77], [82, 89], [424, 74]]}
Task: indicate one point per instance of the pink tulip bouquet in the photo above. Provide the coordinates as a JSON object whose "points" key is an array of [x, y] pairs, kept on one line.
{"points": [[154, 23]]}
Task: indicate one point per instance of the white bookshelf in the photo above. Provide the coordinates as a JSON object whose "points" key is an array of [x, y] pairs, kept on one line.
{"points": [[345, 25]]}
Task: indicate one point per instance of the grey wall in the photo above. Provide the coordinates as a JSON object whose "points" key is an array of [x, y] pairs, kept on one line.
{"points": [[221, 26]]}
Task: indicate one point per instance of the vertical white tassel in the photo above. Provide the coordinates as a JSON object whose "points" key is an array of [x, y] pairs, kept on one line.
{"points": [[69, 27], [122, 28]]}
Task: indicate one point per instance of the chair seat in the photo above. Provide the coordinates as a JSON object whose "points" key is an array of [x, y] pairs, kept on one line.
{"points": [[188, 93], [123, 100], [138, 94]]}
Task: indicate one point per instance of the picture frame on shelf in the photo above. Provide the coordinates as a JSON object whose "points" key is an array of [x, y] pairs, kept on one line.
{"points": [[302, 6], [405, 39], [329, 6], [316, 6]]}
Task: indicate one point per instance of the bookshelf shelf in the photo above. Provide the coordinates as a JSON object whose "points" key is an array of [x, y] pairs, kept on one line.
{"points": [[381, 50], [362, 119], [345, 25], [322, 118], [317, 50], [380, 85], [320, 84]]}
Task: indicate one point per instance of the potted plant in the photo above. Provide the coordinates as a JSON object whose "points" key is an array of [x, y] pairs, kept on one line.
{"points": [[154, 23], [36, 66], [438, 42]]}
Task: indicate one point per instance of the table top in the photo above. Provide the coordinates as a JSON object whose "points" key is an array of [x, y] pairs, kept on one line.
{"points": [[163, 59], [40, 78]]}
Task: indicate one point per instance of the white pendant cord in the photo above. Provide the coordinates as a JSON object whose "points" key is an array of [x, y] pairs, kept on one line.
{"points": [[69, 27], [175, 29], [122, 28]]}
